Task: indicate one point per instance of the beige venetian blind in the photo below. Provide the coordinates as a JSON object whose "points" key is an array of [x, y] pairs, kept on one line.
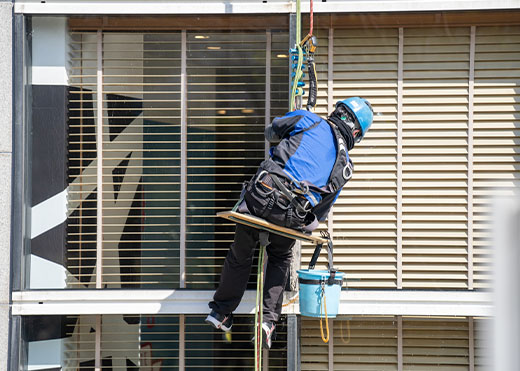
{"points": [[314, 352], [359, 343], [322, 102], [435, 157], [482, 330], [365, 343], [435, 344], [365, 64], [496, 133]]}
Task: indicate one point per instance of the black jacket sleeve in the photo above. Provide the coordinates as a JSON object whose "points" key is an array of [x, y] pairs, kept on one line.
{"points": [[280, 127], [322, 209]]}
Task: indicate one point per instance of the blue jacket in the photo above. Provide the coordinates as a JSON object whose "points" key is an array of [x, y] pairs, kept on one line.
{"points": [[306, 150]]}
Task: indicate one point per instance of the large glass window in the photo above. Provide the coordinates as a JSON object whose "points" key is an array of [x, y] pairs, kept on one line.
{"points": [[144, 202], [141, 342]]}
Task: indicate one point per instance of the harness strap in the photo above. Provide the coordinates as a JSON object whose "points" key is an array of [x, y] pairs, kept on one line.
{"points": [[290, 195]]}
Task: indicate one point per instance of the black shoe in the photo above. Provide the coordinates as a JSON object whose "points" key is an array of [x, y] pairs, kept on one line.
{"points": [[219, 321], [268, 334]]}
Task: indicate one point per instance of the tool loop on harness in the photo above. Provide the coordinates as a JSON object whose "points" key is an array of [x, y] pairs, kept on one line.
{"points": [[301, 204]]}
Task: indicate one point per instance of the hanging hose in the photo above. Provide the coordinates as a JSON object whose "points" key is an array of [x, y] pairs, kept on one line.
{"points": [[298, 53], [313, 83]]}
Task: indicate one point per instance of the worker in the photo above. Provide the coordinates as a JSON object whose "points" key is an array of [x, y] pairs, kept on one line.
{"points": [[295, 188]]}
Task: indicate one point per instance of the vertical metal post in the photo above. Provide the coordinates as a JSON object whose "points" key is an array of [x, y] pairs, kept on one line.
{"points": [[20, 152], [293, 343], [267, 113], [399, 343], [330, 107], [17, 354], [182, 344], [268, 37], [292, 42], [17, 349], [97, 345], [265, 360], [471, 344], [330, 73], [471, 84], [399, 215], [331, 344], [99, 140], [184, 155]]}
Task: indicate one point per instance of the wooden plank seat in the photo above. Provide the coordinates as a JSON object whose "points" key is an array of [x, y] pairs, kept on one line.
{"points": [[259, 223]]}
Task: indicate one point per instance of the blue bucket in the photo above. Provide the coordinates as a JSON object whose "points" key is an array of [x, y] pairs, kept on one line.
{"points": [[311, 303]]}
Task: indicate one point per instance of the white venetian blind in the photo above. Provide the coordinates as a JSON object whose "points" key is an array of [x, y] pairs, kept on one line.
{"points": [[207, 349], [496, 133], [365, 64], [81, 222], [226, 119], [140, 158], [141, 83], [435, 157]]}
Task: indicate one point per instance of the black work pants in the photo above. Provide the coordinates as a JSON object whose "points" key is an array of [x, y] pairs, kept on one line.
{"points": [[237, 269]]}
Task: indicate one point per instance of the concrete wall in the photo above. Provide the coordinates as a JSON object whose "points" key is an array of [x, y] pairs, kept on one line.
{"points": [[5, 172]]}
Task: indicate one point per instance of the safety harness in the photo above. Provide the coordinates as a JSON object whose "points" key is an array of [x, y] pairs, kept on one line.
{"points": [[300, 193]]}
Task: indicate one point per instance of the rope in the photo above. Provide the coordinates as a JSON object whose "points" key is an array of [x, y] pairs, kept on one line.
{"points": [[348, 332], [324, 302], [293, 300], [259, 309], [298, 72], [311, 19]]}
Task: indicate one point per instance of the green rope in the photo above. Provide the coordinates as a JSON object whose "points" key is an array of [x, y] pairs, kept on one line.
{"points": [[299, 73], [259, 309], [298, 21], [297, 77]]}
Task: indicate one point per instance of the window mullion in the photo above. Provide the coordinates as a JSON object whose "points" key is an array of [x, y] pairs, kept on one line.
{"points": [[99, 147], [184, 150]]}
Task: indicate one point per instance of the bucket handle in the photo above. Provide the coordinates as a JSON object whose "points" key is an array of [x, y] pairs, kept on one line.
{"points": [[317, 250], [324, 304]]}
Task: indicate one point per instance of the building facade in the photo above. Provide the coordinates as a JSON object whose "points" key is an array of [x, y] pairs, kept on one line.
{"points": [[129, 125]]}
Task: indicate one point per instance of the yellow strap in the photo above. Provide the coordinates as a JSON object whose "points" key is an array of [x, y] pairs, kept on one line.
{"points": [[324, 301]]}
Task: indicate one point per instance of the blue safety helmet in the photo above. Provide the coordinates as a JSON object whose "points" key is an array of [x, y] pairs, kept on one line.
{"points": [[362, 112]]}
